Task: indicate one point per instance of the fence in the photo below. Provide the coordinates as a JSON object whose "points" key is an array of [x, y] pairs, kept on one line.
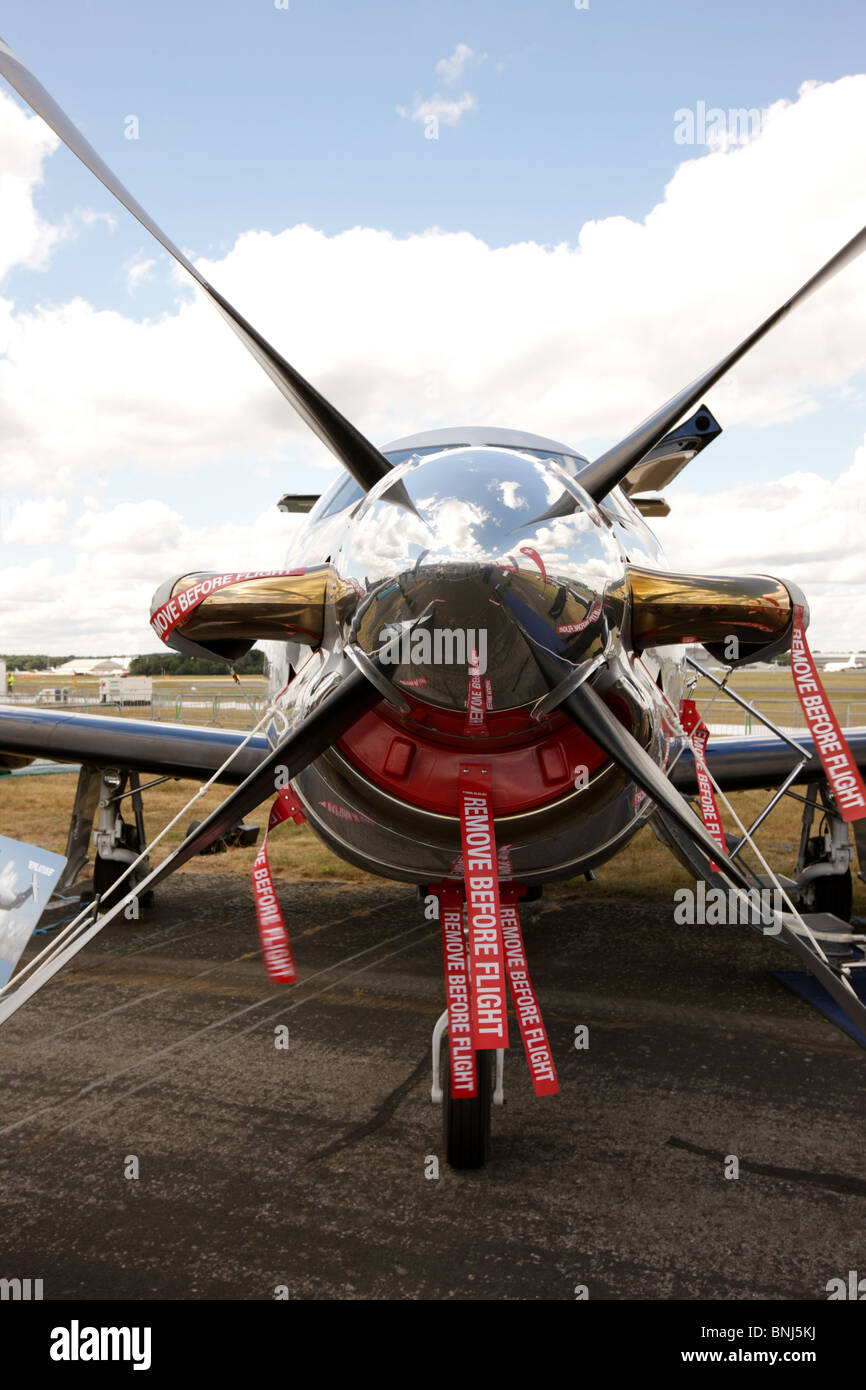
{"points": [[235, 711], [217, 709], [728, 718]]}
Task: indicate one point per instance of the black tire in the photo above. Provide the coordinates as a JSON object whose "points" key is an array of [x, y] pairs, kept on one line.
{"points": [[834, 893], [467, 1122], [106, 872]]}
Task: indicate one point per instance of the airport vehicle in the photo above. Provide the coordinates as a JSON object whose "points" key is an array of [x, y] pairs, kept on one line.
{"points": [[478, 657], [126, 690]]}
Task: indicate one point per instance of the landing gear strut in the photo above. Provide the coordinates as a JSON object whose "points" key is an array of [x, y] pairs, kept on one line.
{"points": [[824, 861], [97, 816]]}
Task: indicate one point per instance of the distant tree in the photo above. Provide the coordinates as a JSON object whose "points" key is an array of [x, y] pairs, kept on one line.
{"points": [[175, 664], [16, 662]]}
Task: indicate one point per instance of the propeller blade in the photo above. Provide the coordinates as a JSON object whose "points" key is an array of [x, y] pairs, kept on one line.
{"points": [[593, 717], [366, 464], [612, 467], [660, 466], [304, 742], [301, 746], [359, 690]]}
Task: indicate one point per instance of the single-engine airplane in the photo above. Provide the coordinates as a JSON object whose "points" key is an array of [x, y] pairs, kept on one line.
{"points": [[480, 679]]}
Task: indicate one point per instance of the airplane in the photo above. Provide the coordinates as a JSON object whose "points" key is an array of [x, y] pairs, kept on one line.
{"points": [[477, 786], [10, 899], [849, 665]]}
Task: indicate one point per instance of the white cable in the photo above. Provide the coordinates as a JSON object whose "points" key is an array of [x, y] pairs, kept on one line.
{"points": [[76, 934], [749, 840]]}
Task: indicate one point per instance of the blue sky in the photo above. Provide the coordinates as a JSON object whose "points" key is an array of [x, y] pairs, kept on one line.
{"points": [[280, 116], [253, 117]]}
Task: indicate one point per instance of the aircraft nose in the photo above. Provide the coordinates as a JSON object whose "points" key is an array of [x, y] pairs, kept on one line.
{"points": [[473, 537], [482, 622]]}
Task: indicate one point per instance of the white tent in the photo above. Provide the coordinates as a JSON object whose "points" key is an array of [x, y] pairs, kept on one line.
{"points": [[91, 666]]}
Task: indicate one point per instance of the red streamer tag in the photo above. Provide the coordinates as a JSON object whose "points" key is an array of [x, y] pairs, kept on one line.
{"points": [[592, 616], [175, 610], [464, 1082], [274, 938], [486, 950], [694, 725], [536, 560], [476, 714], [532, 1030], [836, 757]]}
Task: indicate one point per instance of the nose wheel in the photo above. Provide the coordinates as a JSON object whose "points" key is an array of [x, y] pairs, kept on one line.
{"points": [[466, 1123]]}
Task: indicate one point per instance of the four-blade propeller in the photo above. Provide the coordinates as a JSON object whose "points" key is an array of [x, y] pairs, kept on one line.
{"points": [[359, 690]]}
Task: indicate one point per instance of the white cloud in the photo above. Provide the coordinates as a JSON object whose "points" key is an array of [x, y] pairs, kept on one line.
{"points": [[25, 238], [451, 69], [35, 522], [138, 269], [447, 110], [89, 217], [440, 109], [575, 340], [119, 555]]}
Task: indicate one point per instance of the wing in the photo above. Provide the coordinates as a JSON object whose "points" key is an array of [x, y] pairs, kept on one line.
{"points": [[744, 764], [738, 764], [142, 745]]}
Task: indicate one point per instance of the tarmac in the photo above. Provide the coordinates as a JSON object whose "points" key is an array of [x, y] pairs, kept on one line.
{"points": [[304, 1170]]}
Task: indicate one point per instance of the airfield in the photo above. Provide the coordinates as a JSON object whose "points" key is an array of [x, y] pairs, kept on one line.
{"points": [[217, 700], [306, 1168]]}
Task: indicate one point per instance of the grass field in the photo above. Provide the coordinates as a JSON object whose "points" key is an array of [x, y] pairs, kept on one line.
{"points": [[774, 693], [37, 810], [30, 683]]}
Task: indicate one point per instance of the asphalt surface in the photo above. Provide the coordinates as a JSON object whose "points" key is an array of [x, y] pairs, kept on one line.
{"points": [[304, 1167]]}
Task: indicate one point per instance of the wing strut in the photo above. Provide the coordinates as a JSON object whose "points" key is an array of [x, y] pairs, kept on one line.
{"points": [[593, 717], [304, 742]]}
